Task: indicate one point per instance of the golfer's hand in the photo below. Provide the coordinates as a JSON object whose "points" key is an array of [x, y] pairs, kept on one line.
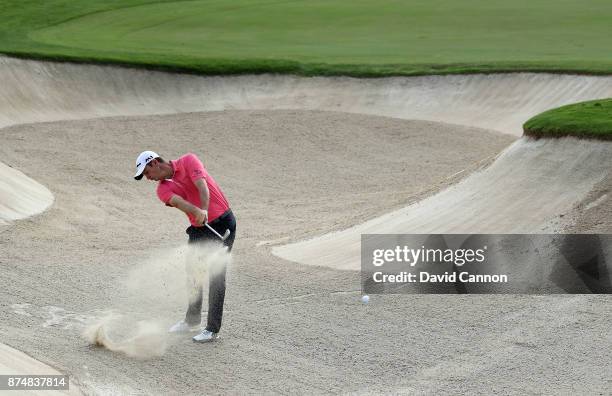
{"points": [[201, 216]]}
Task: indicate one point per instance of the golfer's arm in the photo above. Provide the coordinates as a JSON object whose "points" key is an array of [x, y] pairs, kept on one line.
{"points": [[204, 193], [179, 203]]}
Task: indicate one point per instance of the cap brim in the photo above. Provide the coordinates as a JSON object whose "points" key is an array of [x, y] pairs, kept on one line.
{"points": [[139, 173]]}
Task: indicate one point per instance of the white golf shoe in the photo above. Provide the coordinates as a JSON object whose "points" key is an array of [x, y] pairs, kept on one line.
{"points": [[205, 336], [183, 327]]}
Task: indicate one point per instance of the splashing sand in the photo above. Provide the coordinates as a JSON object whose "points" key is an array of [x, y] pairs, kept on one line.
{"points": [[150, 339], [159, 279]]}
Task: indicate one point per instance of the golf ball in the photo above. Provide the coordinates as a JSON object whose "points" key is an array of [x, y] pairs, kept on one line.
{"points": [[365, 299]]}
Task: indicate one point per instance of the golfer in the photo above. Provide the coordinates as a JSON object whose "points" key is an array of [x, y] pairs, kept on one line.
{"points": [[185, 184]]}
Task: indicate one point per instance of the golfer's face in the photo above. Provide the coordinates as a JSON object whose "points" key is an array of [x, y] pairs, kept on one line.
{"points": [[152, 171]]}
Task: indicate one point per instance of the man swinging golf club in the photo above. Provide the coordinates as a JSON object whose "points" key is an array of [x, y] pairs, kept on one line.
{"points": [[185, 184]]}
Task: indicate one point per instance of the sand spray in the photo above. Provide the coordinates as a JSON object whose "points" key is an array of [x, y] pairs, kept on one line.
{"points": [[155, 294]]}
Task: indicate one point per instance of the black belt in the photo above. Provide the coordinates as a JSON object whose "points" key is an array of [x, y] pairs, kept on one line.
{"points": [[221, 218]]}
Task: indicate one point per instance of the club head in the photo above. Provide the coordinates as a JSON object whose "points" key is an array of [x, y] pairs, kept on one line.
{"points": [[226, 235]]}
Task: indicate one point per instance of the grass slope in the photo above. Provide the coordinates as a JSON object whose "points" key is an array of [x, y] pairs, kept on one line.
{"points": [[592, 119], [317, 37]]}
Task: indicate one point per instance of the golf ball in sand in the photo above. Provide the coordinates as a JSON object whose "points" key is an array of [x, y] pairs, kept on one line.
{"points": [[365, 299]]}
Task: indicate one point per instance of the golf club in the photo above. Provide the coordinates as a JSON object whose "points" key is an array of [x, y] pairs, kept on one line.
{"points": [[222, 237]]}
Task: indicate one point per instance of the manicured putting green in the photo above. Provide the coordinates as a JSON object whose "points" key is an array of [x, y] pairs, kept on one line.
{"points": [[592, 119], [319, 36]]}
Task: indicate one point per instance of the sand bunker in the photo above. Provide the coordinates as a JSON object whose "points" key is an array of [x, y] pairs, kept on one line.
{"points": [[20, 196], [528, 189], [36, 91], [107, 237]]}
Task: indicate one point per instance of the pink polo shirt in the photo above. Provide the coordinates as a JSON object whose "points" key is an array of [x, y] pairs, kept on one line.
{"points": [[188, 169]]}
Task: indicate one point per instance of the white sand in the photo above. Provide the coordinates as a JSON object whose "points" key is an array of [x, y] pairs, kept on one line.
{"points": [[111, 244], [35, 91], [20, 196], [288, 328], [529, 188]]}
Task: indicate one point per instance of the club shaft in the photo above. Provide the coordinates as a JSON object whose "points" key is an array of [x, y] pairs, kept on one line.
{"points": [[215, 231]]}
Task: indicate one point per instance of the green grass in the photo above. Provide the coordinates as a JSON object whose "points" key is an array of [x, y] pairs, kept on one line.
{"points": [[592, 119], [317, 37]]}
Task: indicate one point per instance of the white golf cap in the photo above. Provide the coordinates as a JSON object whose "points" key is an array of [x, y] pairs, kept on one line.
{"points": [[143, 159]]}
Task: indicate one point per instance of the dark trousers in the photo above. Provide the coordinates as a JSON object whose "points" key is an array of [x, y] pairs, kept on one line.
{"points": [[216, 277]]}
